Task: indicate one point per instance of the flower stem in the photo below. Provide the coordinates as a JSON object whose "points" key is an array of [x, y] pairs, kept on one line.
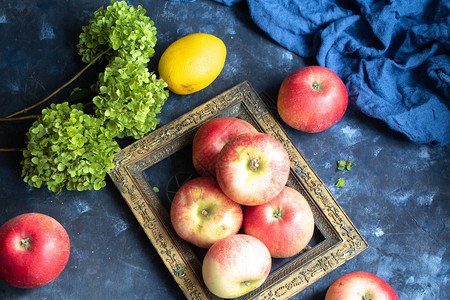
{"points": [[58, 90], [11, 149], [20, 118]]}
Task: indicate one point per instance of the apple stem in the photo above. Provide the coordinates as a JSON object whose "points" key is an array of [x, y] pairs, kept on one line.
{"points": [[254, 163], [204, 212], [277, 214], [366, 297], [316, 86], [25, 243]]}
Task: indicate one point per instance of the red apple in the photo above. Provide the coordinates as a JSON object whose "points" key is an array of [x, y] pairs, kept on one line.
{"points": [[202, 214], [360, 285], [34, 249], [312, 99], [285, 224], [210, 139], [236, 265], [252, 168]]}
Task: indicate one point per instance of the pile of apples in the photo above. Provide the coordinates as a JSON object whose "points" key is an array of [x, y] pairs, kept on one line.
{"points": [[242, 188], [240, 208]]}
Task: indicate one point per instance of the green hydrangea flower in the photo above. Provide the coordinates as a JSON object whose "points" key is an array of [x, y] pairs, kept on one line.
{"points": [[121, 27], [129, 98], [68, 148]]}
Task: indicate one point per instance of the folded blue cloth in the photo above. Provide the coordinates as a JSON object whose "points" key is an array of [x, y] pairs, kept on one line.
{"points": [[393, 55]]}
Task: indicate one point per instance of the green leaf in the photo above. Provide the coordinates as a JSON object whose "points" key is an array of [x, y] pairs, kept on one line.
{"points": [[340, 182], [349, 165], [341, 164], [344, 165]]}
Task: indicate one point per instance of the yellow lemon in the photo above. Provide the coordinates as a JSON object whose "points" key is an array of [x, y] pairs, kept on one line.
{"points": [[192, 63]]}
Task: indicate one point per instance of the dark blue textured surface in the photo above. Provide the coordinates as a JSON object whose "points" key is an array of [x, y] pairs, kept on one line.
{"points": [[392, 55], [397, 194]]}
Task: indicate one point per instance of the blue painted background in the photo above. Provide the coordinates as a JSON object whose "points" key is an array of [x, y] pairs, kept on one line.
{"points": [[397, 193]]}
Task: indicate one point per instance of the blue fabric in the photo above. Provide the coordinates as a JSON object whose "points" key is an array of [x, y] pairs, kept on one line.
{"points": [[393, 55]]}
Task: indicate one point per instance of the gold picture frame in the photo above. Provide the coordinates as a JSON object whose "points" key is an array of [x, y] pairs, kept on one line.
{"points": [[341, 240]]}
